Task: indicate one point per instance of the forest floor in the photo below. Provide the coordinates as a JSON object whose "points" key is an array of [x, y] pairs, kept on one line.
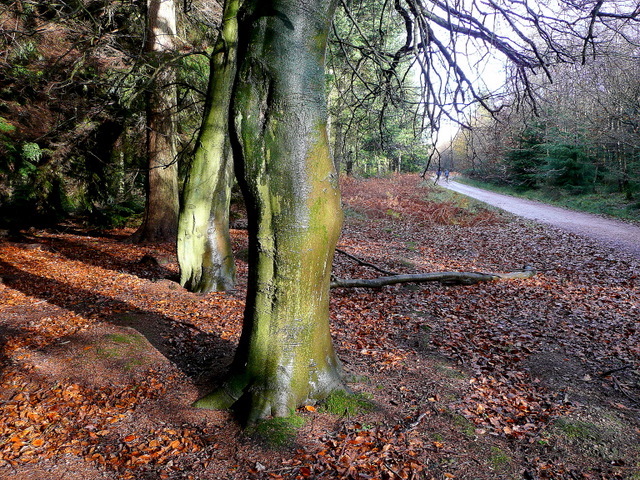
{"points": [[102, 354]]}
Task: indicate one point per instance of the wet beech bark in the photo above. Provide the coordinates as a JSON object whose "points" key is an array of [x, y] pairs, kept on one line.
{"points": [[285, 357]]}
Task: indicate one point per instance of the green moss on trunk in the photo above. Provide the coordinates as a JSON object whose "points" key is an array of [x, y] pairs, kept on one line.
{"points": [[286, 356], [204, 246]]}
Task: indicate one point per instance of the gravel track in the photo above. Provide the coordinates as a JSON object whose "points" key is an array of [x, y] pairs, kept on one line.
{"points": [[612, 233]]}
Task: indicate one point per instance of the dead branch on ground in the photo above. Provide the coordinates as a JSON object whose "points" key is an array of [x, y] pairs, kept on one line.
{"points": [[447, 278]]}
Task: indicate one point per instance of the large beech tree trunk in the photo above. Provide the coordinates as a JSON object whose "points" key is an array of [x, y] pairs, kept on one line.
{"points": [[161, 210], [204, 245], [285, 357]]}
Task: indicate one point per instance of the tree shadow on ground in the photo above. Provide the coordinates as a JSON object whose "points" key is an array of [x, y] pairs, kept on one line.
{"points": [[195, 352], [149, 267], [6, 332], [73, 229]]}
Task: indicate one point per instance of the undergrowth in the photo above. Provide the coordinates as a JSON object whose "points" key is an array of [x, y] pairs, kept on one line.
{"points": [[406, 198]]}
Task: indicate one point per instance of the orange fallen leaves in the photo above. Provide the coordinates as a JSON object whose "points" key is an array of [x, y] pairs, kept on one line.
{"points": [[488, 329], [39, 416]]}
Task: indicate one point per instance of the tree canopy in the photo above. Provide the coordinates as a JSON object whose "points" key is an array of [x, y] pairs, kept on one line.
{"points": [[427, 62]]}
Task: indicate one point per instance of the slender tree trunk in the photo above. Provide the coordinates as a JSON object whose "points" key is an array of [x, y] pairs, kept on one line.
{"points": [[285, 357], [338, 144], [204, 245], [161, 211]]}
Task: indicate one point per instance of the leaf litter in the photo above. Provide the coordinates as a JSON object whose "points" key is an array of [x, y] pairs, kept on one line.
{"points": [[533, 378]]}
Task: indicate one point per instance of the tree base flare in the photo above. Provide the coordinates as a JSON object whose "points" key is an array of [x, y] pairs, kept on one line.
{"points": [[219, 399], [253, 401]]}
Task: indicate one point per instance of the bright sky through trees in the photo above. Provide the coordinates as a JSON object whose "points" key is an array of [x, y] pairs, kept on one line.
{"points": [[497, 46]]}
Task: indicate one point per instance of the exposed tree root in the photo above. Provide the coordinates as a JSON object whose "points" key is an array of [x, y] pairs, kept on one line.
{"points": [[254, 400]]}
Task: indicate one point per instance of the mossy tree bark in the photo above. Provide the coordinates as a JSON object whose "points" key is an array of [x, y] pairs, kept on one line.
{"points": [[285, 357], [204, 245], [161, 210]]}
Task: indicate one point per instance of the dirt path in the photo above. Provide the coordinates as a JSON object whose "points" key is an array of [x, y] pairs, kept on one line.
{"points": [[612, 233]]}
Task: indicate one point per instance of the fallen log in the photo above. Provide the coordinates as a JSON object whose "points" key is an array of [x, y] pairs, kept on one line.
{"points": [[448, 278]]}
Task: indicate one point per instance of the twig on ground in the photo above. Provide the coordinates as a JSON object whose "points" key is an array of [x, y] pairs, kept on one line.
{"points": [[391, 469], [365, 264], [614, 370], [624, 391], [413, 425]]}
